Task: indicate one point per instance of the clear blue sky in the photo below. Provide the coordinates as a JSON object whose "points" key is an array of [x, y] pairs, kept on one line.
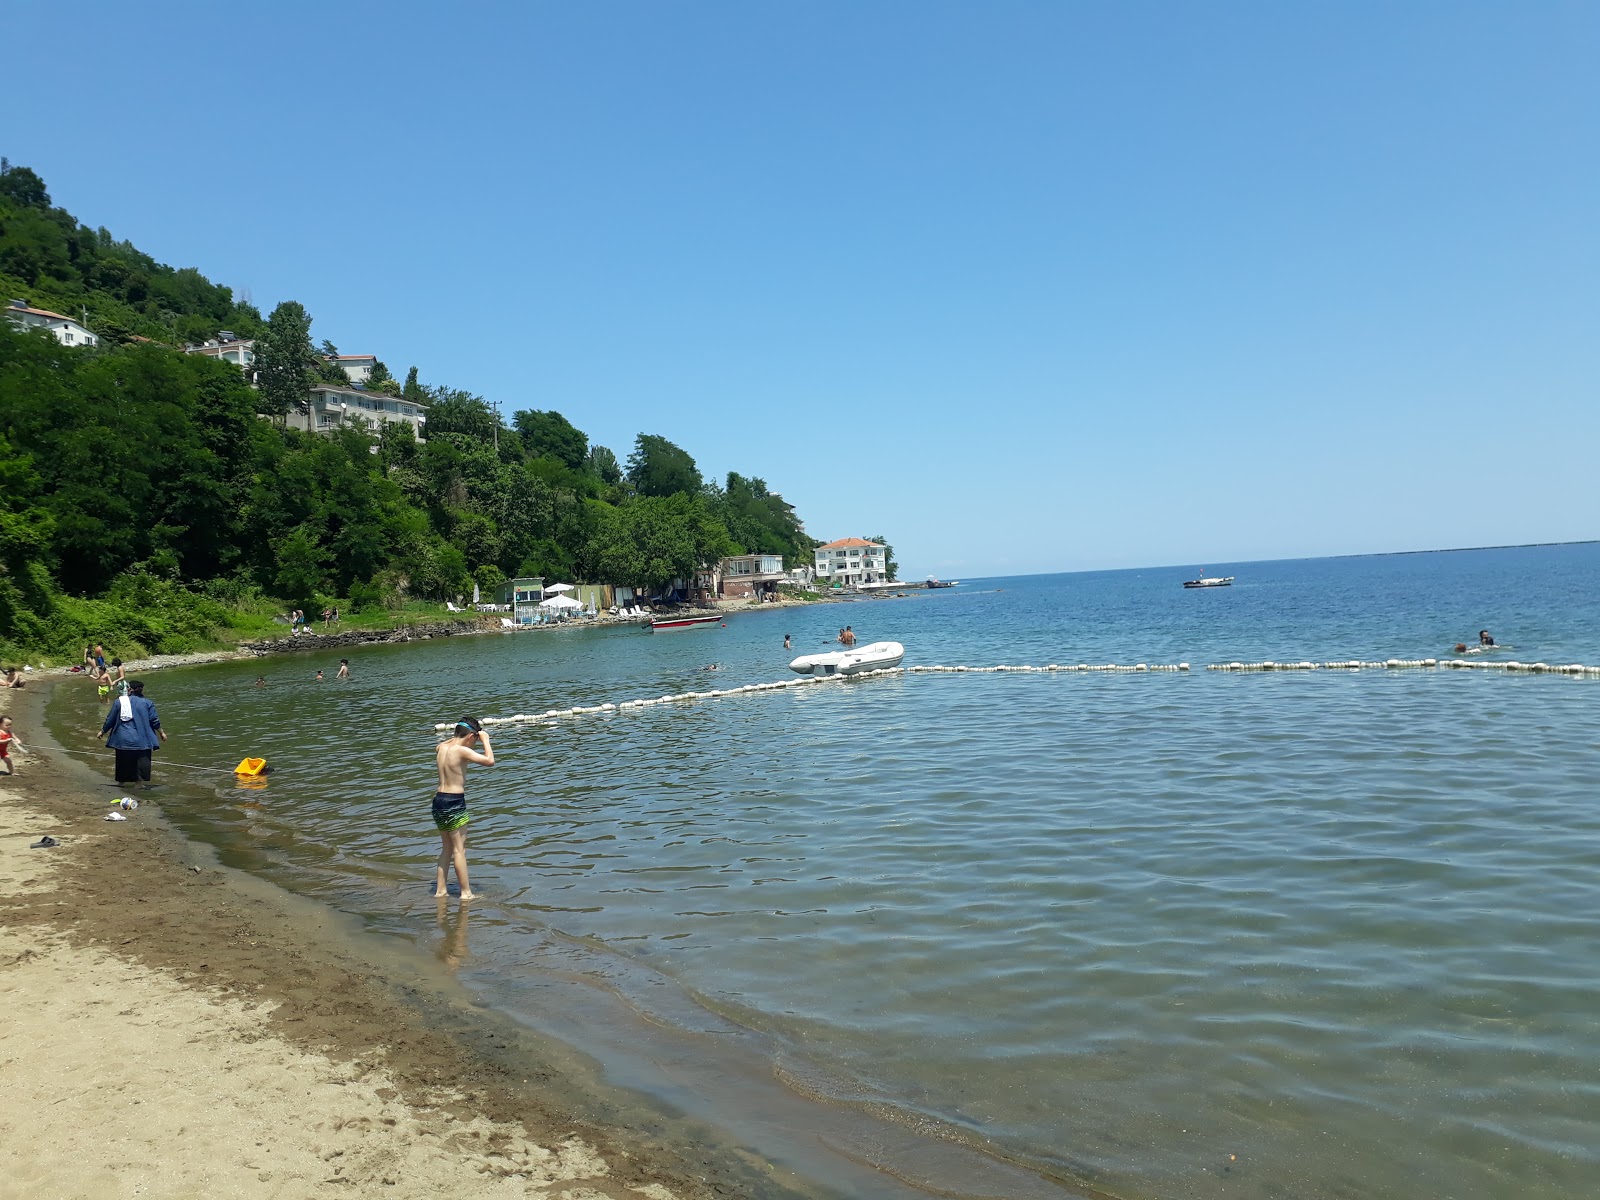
{"points": [[1024, 286]]}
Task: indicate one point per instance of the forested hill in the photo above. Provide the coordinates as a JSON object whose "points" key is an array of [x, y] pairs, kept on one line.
{"points": [[148, 496]]}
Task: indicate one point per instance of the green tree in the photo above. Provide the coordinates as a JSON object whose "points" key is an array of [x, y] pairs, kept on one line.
{"points": [[286, 367], [658, 468], [300, 567], [891, 569], [22, 187], [603, 465], [414, 390], [550, 435], [380, 381], [451, 410]]}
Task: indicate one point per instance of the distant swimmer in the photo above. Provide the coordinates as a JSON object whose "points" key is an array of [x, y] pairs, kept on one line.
{"points": [[450, 813], [319, 676], [712, 667], [261, 681], [848, 637], [787, 644], [1484, 639], [1461, 647], [344, 669]]}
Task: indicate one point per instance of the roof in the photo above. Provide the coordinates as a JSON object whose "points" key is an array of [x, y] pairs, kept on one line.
{"points": [[846, 543], [348, 357], [43, 312]]}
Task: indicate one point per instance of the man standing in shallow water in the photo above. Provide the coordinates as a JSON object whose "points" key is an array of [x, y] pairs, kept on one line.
{"points": [[450, 802]]}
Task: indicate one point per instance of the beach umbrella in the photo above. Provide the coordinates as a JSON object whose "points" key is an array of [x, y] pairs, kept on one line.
{"points": [[561, 587], [561, 602]]}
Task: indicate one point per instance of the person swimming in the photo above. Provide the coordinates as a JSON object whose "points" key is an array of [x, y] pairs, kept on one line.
{"points": [[1484, 639]]}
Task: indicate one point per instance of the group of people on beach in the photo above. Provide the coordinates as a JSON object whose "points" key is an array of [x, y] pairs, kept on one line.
{"points": [[298, 623]]}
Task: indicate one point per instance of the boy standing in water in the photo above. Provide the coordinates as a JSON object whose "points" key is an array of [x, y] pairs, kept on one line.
{"points": [[450, 802]]}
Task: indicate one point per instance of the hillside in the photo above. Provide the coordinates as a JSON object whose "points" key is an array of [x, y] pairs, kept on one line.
{"points": [[154, 499]]}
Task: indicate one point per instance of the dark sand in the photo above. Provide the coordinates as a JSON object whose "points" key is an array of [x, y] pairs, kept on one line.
{"points": [[134, 907]]}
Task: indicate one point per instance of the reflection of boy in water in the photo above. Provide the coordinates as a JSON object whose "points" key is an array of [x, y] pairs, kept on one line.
{"points": [[450, 801]]}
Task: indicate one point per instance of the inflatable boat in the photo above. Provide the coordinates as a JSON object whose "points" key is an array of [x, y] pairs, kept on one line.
{"points": [[850, 662]]}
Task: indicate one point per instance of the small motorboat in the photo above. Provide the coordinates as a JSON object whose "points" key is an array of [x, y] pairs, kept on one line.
{"points": [[850, 662], [1208, 581], [940, 583], [664, 623]]}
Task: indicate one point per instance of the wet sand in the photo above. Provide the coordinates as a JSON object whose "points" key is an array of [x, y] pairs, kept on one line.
{"points": [[178, 1028]]}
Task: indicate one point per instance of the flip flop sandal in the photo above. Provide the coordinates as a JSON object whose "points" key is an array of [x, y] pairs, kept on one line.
{"points": [[44, 843]]}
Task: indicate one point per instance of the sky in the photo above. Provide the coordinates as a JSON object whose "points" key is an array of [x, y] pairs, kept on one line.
{"points": [[1022, 287]]}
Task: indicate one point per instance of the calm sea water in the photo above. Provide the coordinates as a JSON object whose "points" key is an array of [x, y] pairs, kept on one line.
{"points": [[1169, 935]]}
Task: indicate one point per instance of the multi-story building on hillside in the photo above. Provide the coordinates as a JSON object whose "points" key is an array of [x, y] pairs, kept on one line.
{"points": [[357, 368], [241, 352], [66, 331], [850, 561], [327, 408]]}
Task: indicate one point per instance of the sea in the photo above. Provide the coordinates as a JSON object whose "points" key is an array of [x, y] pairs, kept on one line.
{"points": [[1143, 935]]}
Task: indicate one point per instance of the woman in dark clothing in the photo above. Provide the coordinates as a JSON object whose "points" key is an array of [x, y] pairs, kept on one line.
{"points": [[133, 730]]}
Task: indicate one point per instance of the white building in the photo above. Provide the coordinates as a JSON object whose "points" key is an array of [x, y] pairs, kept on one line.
{"points": [[850, 561], [357, 368], [67, 331], [241, 352], [328, 408]]}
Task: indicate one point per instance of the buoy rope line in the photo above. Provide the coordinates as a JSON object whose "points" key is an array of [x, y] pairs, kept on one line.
{"points": [[557, 714]]}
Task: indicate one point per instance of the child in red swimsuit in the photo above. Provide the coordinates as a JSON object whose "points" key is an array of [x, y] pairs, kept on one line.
{"points": [[7, 740]]}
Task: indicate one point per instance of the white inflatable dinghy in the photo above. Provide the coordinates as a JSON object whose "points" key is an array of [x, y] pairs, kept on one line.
{"points": [[850, 662]]}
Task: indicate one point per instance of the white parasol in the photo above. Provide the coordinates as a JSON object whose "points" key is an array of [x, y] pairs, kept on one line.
{"points": [[561, 587], [561, 602]]}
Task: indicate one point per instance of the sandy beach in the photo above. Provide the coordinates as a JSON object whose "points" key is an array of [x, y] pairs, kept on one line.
{"points": [[175, 1028]]}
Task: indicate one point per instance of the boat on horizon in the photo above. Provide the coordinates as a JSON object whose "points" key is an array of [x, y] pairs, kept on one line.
{"points": [[662, 623], [1212, 581]]}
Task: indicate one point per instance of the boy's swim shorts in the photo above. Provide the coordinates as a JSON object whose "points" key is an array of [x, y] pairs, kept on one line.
{"points": [[450, 810]]}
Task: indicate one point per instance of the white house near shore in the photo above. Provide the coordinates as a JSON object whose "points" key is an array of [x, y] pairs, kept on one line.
{"points": [[851, 561], [327, 408], [65, 330]]}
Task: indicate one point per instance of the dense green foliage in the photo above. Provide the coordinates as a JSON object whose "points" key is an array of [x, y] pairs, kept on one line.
{"points": [[50, 259], [143, 499]]}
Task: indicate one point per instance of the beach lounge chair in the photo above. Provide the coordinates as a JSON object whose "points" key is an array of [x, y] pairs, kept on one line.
{"points": [[508, 623]]}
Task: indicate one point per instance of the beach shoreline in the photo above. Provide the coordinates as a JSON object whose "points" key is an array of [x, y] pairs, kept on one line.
{"points": [[466, 625], [270, 1046]]}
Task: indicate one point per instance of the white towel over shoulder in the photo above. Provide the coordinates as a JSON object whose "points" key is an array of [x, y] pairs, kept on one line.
{"points": [[125, 708]]}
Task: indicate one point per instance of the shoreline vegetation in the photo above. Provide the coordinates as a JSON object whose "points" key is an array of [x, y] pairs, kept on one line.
{"points": [[158, 496], [180, 1025]]}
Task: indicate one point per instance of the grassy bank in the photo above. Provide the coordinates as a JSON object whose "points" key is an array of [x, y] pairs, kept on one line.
{"points": [[141, 616]]}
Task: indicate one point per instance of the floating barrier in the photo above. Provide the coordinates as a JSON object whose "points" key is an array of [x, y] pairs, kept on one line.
{"points": [[1392, 664]]}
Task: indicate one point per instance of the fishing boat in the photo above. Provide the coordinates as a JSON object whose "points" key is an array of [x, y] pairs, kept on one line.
{"points": [[662, 623], [940, 583], [850, 662], [1205, 581]]}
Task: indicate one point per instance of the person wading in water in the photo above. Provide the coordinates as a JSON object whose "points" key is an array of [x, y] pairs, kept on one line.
{"points": [[450, 802]]}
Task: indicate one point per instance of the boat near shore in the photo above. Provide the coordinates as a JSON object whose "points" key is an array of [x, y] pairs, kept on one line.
{"points": [[663, 624]]}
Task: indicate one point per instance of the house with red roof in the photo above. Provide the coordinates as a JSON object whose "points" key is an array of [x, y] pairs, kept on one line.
{"points": [[67, 331]]}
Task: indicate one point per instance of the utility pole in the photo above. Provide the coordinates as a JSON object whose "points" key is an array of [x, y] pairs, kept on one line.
{"points": [[497, 428]]}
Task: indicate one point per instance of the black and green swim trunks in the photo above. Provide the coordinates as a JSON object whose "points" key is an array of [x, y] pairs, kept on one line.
{"points": [[450, 810]]}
